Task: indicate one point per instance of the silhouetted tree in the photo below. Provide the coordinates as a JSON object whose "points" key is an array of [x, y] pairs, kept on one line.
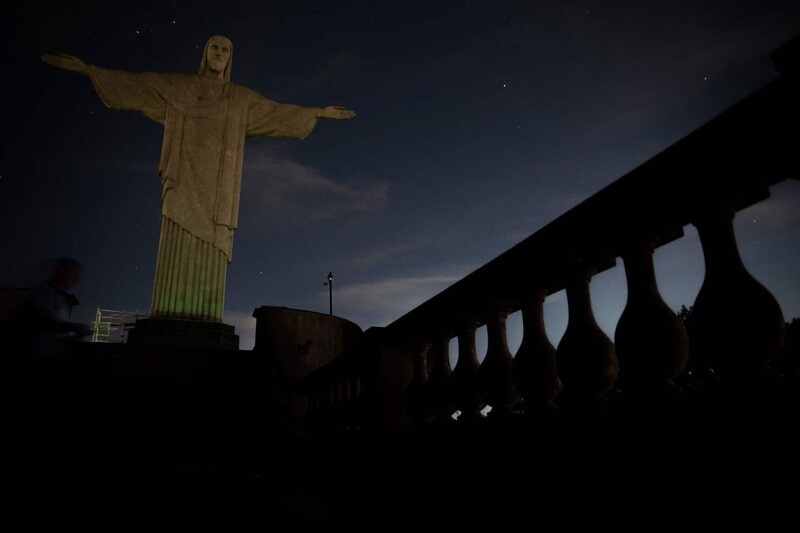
{"points": [[788, 365], [695, 375], [685, 314]]}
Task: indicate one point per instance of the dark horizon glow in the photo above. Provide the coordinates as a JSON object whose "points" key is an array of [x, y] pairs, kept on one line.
{"points": [[478, 123]]}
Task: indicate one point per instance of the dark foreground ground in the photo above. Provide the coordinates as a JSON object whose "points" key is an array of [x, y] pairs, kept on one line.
{"points": [[86, 445]]}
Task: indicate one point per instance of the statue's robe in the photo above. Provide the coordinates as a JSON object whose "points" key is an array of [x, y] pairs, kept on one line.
{"points": [[205, 125]]}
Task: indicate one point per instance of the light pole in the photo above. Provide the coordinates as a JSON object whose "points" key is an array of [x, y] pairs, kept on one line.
{"points": [[329, 283]]}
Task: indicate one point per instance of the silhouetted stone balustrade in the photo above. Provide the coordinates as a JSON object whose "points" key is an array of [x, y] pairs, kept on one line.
{"points": [[437, 398], [495, 381], [534, 368], [585, 357], [464, 379], [722, 167], [650, 340], [329, 399]]}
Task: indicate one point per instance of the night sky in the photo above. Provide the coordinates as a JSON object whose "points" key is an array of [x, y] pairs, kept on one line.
{"points": [[478, 123]]}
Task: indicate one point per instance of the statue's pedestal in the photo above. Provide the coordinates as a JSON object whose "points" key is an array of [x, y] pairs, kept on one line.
{"points": [[183, 333]]}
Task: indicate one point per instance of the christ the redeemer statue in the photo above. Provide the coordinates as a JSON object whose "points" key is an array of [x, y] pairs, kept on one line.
{"points": [[206, 119]]}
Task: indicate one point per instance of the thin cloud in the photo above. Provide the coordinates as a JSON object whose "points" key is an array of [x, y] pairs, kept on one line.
{"points": [[385, 300], [293, 192], [378, 257]]}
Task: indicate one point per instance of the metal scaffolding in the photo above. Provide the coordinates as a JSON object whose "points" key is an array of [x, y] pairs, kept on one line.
{"points": [[113, 326]]}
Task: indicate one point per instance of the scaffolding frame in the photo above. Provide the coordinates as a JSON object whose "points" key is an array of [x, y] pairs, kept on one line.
{"points": [[112, 325]]}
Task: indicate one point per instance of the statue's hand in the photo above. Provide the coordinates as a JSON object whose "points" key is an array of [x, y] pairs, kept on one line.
{"points": [[66, 62], [336, 112]]}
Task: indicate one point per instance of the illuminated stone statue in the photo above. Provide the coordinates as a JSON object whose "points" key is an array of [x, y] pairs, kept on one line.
{"points": [[206, 119]]}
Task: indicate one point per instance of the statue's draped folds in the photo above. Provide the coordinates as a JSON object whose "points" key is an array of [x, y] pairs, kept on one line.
{"points": [[205, 125]]}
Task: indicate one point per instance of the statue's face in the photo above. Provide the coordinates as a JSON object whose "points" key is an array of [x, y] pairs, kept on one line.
{"points": [[219, 53]]}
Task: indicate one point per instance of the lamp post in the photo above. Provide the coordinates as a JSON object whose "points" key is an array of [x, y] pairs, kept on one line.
{"points": [[329, 283]]}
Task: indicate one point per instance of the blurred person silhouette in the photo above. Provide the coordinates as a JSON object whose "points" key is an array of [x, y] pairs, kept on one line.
{"points": [[42, 326], [44, 384]]}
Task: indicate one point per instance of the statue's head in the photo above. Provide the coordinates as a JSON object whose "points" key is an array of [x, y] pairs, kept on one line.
{"points": [[217, 58]]}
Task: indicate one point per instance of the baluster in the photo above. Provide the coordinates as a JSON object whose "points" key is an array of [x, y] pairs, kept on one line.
{"points": [[347, 390], [437, 398], [736, 327], [463, 380], [334, 414], [585, 356], [414, 400], [535, 374], [650, 340], [311, 418], [495, 382]]}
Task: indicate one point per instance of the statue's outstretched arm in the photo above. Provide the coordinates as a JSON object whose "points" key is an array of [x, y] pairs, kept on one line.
{"points": [[335, 112], [66, 62]]}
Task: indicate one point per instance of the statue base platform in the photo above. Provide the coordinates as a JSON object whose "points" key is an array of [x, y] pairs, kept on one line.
{"points": [[183, 333]]}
